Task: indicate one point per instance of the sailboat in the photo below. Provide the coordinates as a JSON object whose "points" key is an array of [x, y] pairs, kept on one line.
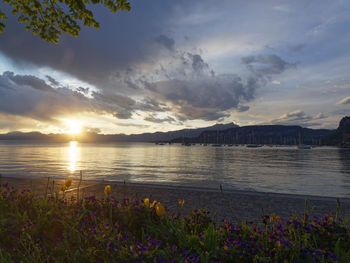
{"points": [[252, 139], [217, 144], [301, 146]]}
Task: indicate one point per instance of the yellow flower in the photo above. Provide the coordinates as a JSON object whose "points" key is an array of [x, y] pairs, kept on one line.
{"points": [[274, 218], [154, 202], [107, 190], [160, 209], [146, 202], [63, 188], [181, 203], [68, 182]]}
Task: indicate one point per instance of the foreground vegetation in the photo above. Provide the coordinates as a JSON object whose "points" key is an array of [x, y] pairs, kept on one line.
{"points": [[54, 229]]}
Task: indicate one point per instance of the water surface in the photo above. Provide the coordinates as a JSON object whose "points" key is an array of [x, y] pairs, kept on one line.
{"points": [[323, 171]]}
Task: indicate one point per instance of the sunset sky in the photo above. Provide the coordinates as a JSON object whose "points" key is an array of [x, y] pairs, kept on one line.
{"points": [[167, 65]]}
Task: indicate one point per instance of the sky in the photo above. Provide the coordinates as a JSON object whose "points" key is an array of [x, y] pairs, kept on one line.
{"points": [[168, 65]]}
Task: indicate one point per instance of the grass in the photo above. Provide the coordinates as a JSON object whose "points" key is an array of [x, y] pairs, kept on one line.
{"points": [[54, 229]]}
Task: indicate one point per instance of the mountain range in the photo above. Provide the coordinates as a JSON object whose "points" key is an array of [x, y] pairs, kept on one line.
{"points": [[220, 133]]}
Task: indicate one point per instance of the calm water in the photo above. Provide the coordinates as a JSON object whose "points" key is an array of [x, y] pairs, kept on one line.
{"points": [[320, 171]]}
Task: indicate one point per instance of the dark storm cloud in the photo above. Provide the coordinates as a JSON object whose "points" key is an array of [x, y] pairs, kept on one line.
{"points": [[95, 54], [52, 81], [131, 125], [267, 64], [151, 105], [132, 73], [205, 98], [123, 114], [194, 91], [30, 96], [299, 117], [28, 80], [83, 90], [198, 63], [113, 99], [167, 42], [243, 108], [154, 119]]}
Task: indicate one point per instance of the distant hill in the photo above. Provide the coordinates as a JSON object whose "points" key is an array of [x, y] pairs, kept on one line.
{"points": [[94, 137], [220, 133], [261, 134], [341, 136]]}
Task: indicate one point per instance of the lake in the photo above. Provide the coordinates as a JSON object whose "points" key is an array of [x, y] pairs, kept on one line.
{"points": [[322, 171]]}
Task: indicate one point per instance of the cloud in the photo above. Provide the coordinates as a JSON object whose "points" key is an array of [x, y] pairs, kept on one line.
{"points": [[27, 80], [344, 101], [52, 81], [243, 108], [30, 96], [266, 64], [206, 97], [183, 85], [124, 39], [154, 119], [167, 42], [299, 117], [194, 91], [276, 82], [82, 90], [136, 74], [122, 124]]}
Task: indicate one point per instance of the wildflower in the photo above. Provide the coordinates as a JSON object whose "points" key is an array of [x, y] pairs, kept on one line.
{"points": [[160, 209], [154, 202], [274, 218], [68, 182], [63, 188], [107, 190], [181, 203], [146, 202]]}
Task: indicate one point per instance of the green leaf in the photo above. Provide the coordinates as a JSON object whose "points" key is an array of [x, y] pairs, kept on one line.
{"points": [[50, 18]]}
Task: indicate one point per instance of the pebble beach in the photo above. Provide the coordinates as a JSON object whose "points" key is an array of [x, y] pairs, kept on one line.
{"points": [[234, 206]]}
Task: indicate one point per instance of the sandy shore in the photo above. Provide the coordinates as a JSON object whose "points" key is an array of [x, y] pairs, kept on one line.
{"points": [[231, 205]]}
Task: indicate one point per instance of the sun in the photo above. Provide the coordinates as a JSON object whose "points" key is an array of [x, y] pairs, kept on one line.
{"points": [[74, 127]]}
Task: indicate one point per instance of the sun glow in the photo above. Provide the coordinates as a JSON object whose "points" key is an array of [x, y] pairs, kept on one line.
{"points": [[74, 127]]}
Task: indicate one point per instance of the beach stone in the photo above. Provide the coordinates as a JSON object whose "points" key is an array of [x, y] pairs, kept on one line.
{"points": [[235, 206]]}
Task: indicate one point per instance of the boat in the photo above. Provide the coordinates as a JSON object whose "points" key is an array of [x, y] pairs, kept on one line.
{"points": [[253, 146], [303, 147]]}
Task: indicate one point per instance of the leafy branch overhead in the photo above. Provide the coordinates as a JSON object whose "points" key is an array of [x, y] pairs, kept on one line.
{"points": [[49, 18]]}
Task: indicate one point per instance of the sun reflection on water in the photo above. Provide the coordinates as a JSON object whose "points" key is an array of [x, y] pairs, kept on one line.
{"points": [[73, 155]]}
